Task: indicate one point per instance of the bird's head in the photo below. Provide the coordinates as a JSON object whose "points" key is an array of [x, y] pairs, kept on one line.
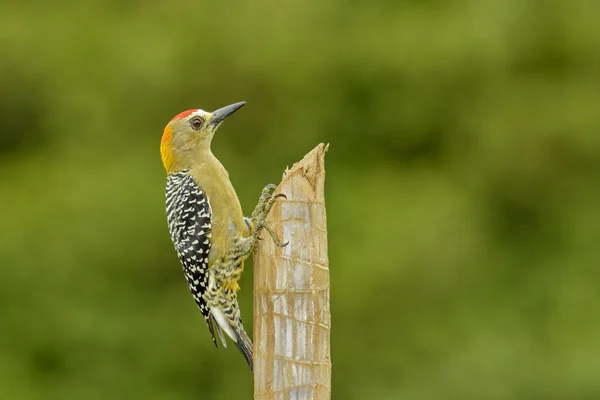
{"points": [[188, 135]]}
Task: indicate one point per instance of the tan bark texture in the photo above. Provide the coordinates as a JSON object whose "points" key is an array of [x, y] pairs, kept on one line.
{"points": [[292, 319]]}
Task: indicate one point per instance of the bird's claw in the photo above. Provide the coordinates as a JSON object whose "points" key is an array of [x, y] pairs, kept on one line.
{"points": [[275, 238], [266, 192], [260, 213], [266, 201], [269, 187]]}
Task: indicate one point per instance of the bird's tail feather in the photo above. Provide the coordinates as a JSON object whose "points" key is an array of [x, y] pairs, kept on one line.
{"points": [[244, 343], [214, 326], [235, 330]]}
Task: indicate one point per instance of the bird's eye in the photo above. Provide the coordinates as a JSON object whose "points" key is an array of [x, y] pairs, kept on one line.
{"points": [[196, 123]]}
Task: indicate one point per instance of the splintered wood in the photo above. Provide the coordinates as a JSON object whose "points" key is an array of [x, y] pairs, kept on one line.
{"points": [[292, 319]]}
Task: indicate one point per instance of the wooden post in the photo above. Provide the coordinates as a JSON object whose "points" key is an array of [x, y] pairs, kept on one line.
{"points": [[292, 317]]}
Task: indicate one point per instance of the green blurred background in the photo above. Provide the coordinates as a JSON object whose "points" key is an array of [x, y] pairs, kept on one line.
{"points": [[462, 190]]}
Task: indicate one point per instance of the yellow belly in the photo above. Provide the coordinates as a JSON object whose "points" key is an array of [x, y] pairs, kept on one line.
{"points": [[227, 219]]}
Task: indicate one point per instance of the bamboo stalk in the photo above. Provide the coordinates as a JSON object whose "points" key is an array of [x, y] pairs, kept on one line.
{"points": [[292, 317]]}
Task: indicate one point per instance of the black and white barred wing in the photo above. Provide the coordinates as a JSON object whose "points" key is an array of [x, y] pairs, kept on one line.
{"points": [[189, 219]]}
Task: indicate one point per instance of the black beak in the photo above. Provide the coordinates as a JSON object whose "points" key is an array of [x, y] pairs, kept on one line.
{"points": [[222, 113]]}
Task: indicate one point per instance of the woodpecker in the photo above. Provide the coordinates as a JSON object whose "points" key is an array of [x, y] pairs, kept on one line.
{"points": [[211, 236]]}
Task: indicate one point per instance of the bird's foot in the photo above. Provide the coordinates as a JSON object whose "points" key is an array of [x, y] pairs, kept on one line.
{"points": [[261, 211]]}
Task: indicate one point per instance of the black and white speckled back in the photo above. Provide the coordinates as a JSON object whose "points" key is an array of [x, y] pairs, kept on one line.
{"points": [[189, 219]]}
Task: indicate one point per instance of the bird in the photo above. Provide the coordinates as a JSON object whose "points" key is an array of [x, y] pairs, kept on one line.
{"points": [[211, 236]]}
